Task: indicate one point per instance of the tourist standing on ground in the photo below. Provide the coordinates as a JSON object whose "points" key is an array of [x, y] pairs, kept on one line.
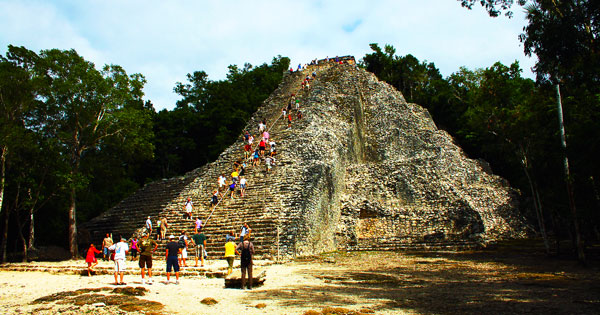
{"points": [[134, 248], [199, 240], [106, 243], [245, 231], [230, 252], [163, 228], [149, 226], [171, 258], [147, 247], [246, 248], [90, 259], [183, 244], [189, 206], [121, 249]]}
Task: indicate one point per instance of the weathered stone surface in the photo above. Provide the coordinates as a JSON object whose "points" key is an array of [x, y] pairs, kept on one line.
{"points": [[234, 280], [363, 169]]}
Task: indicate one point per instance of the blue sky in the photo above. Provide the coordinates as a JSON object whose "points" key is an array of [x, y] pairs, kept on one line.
{"points": [[165, 40]]}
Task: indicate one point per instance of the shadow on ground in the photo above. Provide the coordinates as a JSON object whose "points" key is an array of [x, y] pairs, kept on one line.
{"points": [[511, 278]]}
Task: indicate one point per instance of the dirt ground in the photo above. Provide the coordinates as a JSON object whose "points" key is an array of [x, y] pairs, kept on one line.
{"points": [[511, 278]]}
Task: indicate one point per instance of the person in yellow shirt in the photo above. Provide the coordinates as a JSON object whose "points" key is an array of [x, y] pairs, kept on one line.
{"points": [[235, 176], [230, 252]]}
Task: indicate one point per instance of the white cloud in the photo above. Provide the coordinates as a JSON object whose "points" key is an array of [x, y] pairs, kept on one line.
{"points": [[165, 40]]}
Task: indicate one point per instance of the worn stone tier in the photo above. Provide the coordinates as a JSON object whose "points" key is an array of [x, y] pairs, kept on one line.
{"points": [[126, 216], [398, 243]]}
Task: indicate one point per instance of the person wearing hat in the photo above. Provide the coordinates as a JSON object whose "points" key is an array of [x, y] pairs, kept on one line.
{"points": [[171, 257], [147, 247], [121, 249]]}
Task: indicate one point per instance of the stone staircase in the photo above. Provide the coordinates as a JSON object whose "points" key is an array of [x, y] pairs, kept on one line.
{"points": [[166, 198]]}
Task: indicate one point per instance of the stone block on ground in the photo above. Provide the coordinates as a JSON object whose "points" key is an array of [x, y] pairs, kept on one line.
{"points": [[234, 280]]}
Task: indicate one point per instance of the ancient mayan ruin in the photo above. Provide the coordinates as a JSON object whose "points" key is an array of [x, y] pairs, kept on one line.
{"points": [[363, 169]]}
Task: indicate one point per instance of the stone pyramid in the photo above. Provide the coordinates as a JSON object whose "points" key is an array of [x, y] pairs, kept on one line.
{"points": [[362, 169]]}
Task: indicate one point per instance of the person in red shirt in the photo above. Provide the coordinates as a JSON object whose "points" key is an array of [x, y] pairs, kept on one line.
{"points": [[90, 259], [247, 149], [261, 147]]}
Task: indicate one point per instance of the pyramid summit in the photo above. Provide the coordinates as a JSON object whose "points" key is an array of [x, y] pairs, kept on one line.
{"points": [[361, 169]]}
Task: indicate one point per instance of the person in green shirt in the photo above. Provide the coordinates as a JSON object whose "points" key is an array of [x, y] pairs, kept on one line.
{"points": [[147, 247], [199, 240]]}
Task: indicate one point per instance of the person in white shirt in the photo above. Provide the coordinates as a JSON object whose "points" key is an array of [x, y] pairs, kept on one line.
{"points": [[189, 206], [121, 248], [242, 186], [149, 226], [221, 181]]}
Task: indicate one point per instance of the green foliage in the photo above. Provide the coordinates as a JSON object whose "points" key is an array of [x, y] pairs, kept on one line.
{"points": [[564, 37], [68, 123], [211, 114], [493, 7]]}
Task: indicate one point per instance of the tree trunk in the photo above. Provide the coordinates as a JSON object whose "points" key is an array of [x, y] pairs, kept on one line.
{"points": [[5, 234], [568, 180], [22, 237], [31, 230], [537, 204], [3, 174], [72, 226]]}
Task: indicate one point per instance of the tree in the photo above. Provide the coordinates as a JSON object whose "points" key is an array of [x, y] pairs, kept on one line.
{"points": [[16, 99], [563, 35], [506, 121], [493, 7], [83, 108]]}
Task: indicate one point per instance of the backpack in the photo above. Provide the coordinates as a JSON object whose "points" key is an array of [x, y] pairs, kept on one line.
{"points": [[246, 255], [181, 242]]}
